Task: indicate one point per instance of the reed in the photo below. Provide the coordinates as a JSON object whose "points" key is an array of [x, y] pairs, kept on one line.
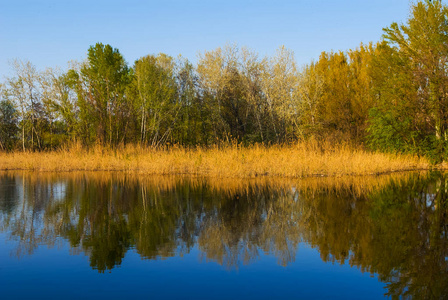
{"points": [[304, 159]]}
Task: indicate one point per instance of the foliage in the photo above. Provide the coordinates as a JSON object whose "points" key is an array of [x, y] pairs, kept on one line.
{"points": [[411, 81], [154, 102], [391, 96], [8, 125], [101, 84]]}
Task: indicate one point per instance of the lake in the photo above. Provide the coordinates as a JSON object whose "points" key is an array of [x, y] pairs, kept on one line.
{"points": [[112, 235]]}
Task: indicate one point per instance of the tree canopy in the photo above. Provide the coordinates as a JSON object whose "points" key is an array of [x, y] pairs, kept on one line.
{"points": [[390, 95]]}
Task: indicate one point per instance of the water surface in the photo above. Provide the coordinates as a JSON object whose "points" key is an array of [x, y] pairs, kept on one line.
{"points": [[110, 235]]}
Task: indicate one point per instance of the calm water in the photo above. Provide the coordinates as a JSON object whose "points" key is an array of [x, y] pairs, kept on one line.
{"points": [[116, 236]]}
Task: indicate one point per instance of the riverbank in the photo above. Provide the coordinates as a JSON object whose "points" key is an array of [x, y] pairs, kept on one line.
{"points": [[299, 160]]}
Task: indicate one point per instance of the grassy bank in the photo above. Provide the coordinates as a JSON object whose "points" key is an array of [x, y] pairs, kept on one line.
{"points": [[299, 160]]}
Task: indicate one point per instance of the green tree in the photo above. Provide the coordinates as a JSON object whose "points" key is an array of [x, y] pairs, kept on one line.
{"points": [[60, 103], [101, 83], [154, 92], [8, 125], [189, 129], [412, 84]]}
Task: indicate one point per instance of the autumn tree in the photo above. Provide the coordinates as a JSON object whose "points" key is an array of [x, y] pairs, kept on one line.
{"points": [[253, 68], [279, 86], [224, 89], [310, 90], [335, 95]]}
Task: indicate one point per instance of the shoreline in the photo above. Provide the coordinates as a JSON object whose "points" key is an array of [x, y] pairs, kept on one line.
{"points": [[294, 161], [144, 173]]}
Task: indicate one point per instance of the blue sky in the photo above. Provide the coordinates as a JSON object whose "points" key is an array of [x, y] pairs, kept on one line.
{"points": [[51, 33]]}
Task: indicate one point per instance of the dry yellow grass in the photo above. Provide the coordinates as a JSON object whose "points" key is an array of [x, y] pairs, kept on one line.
{"points": [[299, 160]]}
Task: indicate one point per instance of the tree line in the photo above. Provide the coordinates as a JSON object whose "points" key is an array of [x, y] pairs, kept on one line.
{"points": [[390, 95]]}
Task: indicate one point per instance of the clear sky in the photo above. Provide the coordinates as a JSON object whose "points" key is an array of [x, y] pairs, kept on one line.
{"points": [[51, 33]]}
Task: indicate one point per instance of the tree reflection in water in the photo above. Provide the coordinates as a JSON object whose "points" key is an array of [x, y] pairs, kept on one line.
{"points": [[395, 227]]}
